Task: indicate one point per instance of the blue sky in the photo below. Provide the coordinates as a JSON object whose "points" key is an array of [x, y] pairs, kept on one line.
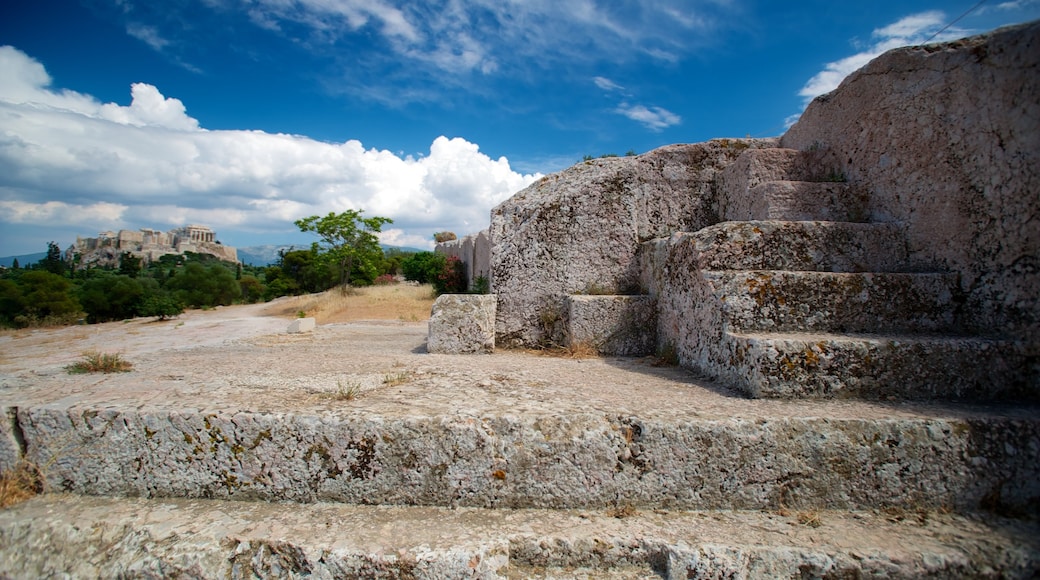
{"points": [[244, 115]]}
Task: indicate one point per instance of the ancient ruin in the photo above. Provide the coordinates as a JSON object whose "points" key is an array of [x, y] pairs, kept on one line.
{"points": [[885, 246], [147, 244], [839, 300]]}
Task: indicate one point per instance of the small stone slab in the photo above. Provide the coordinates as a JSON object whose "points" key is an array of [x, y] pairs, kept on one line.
{"points": [[462, 324], [301, 325]]}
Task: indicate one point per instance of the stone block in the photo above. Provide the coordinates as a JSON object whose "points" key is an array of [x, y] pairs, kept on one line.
{"points": [[301, 325], [462, 324], [615, 325]]}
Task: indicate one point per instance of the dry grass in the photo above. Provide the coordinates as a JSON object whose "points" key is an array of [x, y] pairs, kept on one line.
{"points": [[99, 362], [19, 484], [580, 350], [392, 302]]}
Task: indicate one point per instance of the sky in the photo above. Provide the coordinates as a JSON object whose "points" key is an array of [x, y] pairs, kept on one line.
{"points": [[245, 115]]}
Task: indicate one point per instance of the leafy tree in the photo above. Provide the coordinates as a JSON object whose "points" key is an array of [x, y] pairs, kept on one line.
{"points": [[423, 267], [161, 305], [252, 289], [48, 295], [53, 262], [11, 302], [111, 298], [129, 265], [349, 240], [200, 286]]}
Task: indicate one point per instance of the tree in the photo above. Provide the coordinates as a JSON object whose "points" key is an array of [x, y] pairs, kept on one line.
{"points": [[48, 295], [15, 265], [111, 298], [200, 286], [129, 265], [349, 241], [52, 262], [423, 267]]}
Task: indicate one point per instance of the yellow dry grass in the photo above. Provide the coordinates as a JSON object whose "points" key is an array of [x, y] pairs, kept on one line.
{"points": [[392, 302], [19, 484]]}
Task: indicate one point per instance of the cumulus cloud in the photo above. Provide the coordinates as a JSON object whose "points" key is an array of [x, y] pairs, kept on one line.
{"points": [[653, 118], [70, 161], [913, 29]]}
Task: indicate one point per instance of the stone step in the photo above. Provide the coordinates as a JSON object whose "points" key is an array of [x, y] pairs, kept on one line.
{"points": [[799, 201], [825, 455], [69, 536], [778, 300], [805, 365], [823, 246], [361, 414]]}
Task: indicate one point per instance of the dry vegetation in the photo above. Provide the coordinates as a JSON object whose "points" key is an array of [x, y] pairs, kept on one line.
{"points": [[404, 302], [19, 484], [99, 362]]}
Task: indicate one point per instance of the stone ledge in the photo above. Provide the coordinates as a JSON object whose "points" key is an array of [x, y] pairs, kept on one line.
{"points": [[514, 458], [103, 537]]}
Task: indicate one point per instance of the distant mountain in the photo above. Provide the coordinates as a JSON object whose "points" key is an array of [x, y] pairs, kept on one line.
{"points": [[263, 255], [23, 260], [268, 254]]}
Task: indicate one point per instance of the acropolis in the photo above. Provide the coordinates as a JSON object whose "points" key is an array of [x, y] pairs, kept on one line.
{"points": [[147, 244]]}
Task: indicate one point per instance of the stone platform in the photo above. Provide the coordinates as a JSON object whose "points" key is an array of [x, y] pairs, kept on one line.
{"points": [[358, 415]]}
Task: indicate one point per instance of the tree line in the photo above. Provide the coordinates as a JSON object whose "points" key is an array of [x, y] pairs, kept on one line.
{"points": [[52, 292]]}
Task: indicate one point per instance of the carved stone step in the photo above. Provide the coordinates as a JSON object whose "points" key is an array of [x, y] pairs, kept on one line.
{"points": [[775, 300], [84, 537], [806, 365], [822, 246], [649, 443], [800, 201]]}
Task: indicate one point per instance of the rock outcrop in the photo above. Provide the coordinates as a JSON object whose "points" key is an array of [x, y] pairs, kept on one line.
{"points": [[946, 138], [577, 231], [886, 246]]}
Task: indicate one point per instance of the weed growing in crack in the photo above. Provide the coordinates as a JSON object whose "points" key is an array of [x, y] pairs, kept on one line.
{"points": [[99, 362]]}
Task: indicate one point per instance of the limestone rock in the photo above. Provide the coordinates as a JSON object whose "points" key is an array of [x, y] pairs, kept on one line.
{"points": [[578, 230], [614, 325], [462, 323], [947, 138], [301, 325]]}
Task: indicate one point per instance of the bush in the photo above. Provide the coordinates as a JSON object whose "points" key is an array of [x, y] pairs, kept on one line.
{"points": [[99, 362], [452, 277], [385, 280]]}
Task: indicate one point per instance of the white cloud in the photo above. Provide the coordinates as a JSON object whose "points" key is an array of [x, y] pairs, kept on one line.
{"points": [[148, 35], [654, 118], [607, 84], [913, 29], [461, 36], [73, 162]]}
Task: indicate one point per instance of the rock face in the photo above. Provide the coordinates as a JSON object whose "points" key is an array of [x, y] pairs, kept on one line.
{"points": [[886, 246], [462, 324], [577, 231], [612, 325], [947, 139]]}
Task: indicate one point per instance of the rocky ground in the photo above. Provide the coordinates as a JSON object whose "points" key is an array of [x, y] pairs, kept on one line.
{"points": [[237, 369]]}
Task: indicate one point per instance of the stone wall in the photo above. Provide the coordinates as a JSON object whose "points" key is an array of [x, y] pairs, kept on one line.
{"points": [[475, 252], [946, 139], [577, 231]]}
